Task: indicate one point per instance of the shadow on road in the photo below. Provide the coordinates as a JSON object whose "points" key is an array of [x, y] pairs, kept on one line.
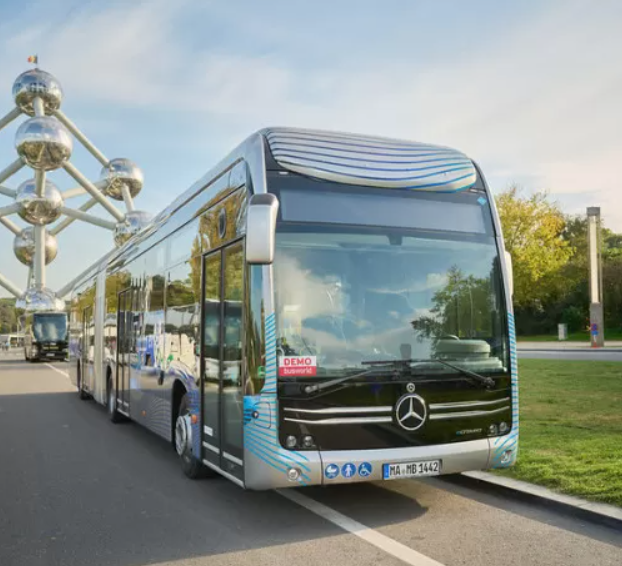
{"points": [[77, 490]]}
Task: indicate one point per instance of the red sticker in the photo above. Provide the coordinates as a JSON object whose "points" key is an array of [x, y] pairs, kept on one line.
{"points": [[297, 366]]}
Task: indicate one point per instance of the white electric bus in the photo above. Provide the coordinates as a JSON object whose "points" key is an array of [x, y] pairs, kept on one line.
{"points": [[320, 308]]}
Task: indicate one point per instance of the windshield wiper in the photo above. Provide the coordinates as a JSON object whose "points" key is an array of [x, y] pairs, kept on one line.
{"points": [[486, 381], [314, 388]]}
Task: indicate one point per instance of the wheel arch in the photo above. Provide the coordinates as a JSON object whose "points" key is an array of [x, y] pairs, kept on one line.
{"points": [[178, 391]]}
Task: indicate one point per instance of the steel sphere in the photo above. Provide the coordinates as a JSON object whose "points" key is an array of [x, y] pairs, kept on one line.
{"points": [[133, 223], [118, 173], [24, 246], [43, 143], [39, 210], [40, 300], [37, 83]]}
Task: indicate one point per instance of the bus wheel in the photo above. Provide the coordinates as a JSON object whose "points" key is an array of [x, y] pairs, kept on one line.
{"points": [[111, 404], [191, 466]]}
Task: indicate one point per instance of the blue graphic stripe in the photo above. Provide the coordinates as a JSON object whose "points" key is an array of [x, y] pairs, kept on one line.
{"points": [[278, 453], [465, 167], [450, 162], [271, 436], [343, 145], [370, 157], [270, 457]]}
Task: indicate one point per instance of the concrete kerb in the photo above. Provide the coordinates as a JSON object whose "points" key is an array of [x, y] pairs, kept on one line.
{"points": [[595, 512]]}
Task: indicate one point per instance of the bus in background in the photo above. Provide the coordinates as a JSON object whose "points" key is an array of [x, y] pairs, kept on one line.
{"points": [[45, 336], [320, 308]]}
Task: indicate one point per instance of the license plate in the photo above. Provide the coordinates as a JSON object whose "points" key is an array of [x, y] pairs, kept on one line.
{"points": [[50, 354], [411, 469]]}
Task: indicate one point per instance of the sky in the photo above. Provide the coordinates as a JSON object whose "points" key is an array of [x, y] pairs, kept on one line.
{"points": [[530, 90]]}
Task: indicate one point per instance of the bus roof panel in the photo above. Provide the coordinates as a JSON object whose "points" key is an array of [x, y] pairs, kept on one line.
{"points": [[367, 160]]}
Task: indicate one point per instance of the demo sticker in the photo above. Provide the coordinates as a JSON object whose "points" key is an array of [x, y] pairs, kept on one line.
{"points": [[297, 366]]}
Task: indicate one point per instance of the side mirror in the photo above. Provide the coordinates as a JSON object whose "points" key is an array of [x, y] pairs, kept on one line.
{"points": [[510, 272], [261, 228]]}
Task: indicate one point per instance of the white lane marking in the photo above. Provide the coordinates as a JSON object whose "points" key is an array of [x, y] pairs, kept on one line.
{"points": [[58, 370], [388, 545]]}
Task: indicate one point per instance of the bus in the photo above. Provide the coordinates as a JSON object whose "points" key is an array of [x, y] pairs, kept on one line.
{"points": [[45, 336], [319, 308]]}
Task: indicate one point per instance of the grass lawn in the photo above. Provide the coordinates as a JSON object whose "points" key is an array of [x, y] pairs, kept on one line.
{"points": [[610, 334], [571, 428]]}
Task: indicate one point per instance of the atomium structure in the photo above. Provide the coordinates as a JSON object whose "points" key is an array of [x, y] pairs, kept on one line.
{"points": [[44, 143]]}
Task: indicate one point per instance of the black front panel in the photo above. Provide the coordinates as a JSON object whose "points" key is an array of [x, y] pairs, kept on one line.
{"points": [[364, 416]]}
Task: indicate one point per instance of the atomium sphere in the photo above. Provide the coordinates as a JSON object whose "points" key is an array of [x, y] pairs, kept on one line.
{"points": [[39, 210], [37, 83], [118, 173], [133, 223], [43, 143], [24, 246], [40, 300]]}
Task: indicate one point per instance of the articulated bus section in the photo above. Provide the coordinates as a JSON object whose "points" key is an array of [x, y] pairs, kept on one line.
{"points": [[319, 308]]}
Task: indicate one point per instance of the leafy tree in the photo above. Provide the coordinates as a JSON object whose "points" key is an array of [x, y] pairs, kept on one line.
{"points": [[533, 229]]}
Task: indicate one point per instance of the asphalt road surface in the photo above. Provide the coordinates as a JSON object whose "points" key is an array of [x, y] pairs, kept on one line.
{"points": [[76, 490], [600, 355]]}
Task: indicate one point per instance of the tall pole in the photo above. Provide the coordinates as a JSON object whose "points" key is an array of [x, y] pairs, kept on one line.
{"points": [[597, 330]]}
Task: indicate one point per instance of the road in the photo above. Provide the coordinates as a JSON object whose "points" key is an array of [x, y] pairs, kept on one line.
{"points": [[76, 490]]}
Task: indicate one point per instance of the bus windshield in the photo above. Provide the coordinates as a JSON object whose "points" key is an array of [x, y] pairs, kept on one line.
{"points": [[50, 327], [346, 296]]}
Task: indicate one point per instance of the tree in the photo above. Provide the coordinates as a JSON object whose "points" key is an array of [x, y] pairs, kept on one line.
{"points": [[533, 229]]}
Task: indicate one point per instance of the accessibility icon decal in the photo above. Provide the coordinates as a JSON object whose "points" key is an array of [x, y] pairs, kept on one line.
{"points": [[331, 471], [365, 470]]}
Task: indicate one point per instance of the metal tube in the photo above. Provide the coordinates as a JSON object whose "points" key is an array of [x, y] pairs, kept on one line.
{"points": [[79, 215], [38, 106], [11, 226], [11, 169], [6, 120], [80, 190], [11, 209], [81, 138], [29, 280], [92, 190], [68, 221], [8, 192], [127, 198], [40, 182], [39, 259], [10, 287]]}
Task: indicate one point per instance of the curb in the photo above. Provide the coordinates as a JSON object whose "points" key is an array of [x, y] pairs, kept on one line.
{"points": [[561, 350], [599, 512]]}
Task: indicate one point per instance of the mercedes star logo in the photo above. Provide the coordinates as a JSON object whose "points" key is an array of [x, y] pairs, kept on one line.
{"points": [[410, 412]]}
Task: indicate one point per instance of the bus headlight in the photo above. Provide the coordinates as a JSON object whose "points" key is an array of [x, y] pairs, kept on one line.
{"points": [[503, 427], [307, 442], [293, 474], [493, 430], [291, 442]]}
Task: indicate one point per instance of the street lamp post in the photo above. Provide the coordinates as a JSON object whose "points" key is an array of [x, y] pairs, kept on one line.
{"points": [[597, 329]]}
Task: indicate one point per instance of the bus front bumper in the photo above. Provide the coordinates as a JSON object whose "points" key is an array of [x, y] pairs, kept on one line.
{"points": [[351, 466]]}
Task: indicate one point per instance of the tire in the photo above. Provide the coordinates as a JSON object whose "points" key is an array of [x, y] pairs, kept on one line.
{"points": [[111, 404], [191, 466]]}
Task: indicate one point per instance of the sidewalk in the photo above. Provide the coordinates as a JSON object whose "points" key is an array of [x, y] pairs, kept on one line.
{"points": [[602, 511], [611, 345]]}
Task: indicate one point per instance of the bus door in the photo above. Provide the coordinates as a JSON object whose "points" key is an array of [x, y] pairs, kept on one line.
{"points": [[125, 340], [221, 360], [87, 352]]}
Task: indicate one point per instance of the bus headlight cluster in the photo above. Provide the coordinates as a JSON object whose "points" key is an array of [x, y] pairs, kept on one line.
{"points": [[497, 429], [306, 441]]}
